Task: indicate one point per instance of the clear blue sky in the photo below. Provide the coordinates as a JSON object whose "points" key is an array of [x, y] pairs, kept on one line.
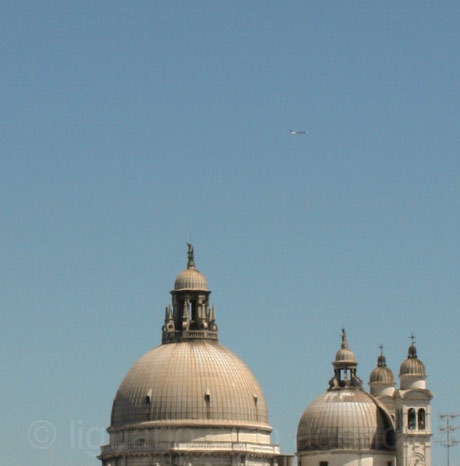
{"points": [[129, 128]]}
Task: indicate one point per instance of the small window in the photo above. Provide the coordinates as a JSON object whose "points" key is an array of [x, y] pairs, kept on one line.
{"points": [[389, 463], [324, 463], [411, 418], [421, 419]]}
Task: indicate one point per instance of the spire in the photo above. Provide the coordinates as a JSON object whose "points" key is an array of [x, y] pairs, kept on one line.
{"points": [[381, 360], [412, 353]]}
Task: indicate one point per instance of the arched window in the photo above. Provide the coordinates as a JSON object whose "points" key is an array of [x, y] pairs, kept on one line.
{"points": [[411, 418], [421, 419]]}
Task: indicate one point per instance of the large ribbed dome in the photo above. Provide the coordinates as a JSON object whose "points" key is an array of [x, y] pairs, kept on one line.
{"points": [[189, 400], [346, 419], [197, 382]]}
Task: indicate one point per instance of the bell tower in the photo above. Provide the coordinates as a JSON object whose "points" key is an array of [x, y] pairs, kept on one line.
{"points": [[413, 413]]}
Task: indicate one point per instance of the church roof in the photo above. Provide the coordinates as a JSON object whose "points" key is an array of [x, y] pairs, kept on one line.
{"points": [[348, 419], [190, 379], [345, 417], [197, 382], [190, 279], [412, 365], [382, 373]]}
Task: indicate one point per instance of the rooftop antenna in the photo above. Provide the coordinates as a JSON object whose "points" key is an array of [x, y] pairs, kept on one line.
{"points": [[448, 429]]}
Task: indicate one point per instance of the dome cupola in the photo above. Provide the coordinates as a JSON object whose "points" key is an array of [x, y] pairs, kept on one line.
{"points": [[382, 381], [412, 364], [190, 383], [190, 279], [190, 378], [189, 398], [382, 374], [345, 366], [412, 371], [345, 417], [190, 317]]}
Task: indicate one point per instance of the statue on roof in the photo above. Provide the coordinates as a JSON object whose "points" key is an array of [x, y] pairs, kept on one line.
{"points": [[191, 260]]}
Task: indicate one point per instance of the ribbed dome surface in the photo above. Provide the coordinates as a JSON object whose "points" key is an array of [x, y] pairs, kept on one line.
{"points": [[199, 382], [412, 366], [346, 419], [382, 374], [345, 355], [190, 279]]}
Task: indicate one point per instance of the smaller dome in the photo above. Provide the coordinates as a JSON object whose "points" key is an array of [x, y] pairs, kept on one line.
{"points": [[345, 354], [190, 279], [412, 365], [348, 419], [382, 373]]}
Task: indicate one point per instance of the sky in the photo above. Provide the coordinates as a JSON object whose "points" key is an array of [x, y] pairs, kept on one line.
{"points": [[130, 128]]}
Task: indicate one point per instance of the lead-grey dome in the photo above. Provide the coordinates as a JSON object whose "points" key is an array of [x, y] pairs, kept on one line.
{"points": [[346, 419], [382, 373], [197, 382], [412, 365]]}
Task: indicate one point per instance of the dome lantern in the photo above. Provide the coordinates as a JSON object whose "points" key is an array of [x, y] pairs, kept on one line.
{"points": [[345, 366], [190, 317]]}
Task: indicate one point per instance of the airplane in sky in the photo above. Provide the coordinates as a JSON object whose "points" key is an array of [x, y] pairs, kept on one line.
{"points": [[297, 133]]}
